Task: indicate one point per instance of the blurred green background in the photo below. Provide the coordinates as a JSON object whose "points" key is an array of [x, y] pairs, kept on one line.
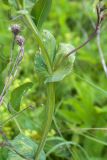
{"points": [[80, 121]]}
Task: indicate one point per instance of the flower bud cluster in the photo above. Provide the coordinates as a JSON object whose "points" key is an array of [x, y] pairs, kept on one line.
{"points": [[20, 40], [102, 10], [16, 29]]}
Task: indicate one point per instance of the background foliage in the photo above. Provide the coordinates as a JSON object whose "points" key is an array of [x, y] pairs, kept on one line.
{"points": [[79, 128]]}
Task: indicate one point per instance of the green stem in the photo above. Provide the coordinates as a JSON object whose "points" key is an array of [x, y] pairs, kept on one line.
{"points": [[37, 36], [50, 112], [18, 126], [18, 4]]}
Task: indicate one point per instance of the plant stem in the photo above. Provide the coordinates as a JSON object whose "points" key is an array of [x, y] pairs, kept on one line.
{"points": [[18, 126], [101, 52], [18, 4], [50, 112], [37, 36], [83, 44]]}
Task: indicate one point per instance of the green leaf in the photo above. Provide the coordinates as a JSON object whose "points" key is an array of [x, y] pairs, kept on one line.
{"points": [[60, 70], [3, 63], [1, 83], [26, 4], [17, 95], [40, 66], [3, 153], [12, 3], [24, 146], [50, 44], [61, 152], [65, 68], [5, 2], [40, 11]]}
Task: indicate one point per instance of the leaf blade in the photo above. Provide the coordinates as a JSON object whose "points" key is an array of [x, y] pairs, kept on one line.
{"points": [[65, 67], [40, 11], [17, 95], [26, 147]]}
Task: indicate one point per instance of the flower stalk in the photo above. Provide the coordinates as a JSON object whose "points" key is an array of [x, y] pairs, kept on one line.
{"points": [[49, 117], [100, 17]]}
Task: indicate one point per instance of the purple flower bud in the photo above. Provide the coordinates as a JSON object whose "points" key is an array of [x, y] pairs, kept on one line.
{"points": [[20, 40], [15, 29]]}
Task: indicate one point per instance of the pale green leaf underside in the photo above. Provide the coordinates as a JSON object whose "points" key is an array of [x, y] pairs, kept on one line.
{"points": [[27, 4], [26, 147]]}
